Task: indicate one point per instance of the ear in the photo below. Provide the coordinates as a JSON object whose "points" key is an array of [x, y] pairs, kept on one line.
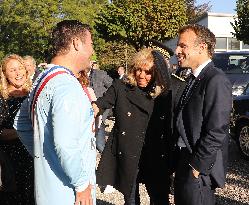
{"points": [[76, 43], [203, 47]]}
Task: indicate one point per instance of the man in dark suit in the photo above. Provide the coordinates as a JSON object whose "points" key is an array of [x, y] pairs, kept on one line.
{"points": [[100, 81], [122, 73], [201, 121]]}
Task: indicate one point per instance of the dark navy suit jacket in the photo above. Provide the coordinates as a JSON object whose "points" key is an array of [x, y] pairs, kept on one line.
{"points": [[202, 121]]}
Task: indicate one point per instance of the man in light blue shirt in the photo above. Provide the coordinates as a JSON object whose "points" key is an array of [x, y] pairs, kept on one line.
{"points": [[56, 122]]}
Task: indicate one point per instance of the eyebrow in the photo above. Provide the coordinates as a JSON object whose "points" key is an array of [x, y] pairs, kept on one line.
{"points": [[181, 44], [17, 67]]}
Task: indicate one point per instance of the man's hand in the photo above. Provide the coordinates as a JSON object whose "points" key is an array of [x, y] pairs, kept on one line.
{"points": [[195, 173], [84, 197], [95, 109]]}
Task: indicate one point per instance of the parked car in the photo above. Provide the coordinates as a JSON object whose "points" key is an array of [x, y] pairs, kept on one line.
{"points": [[236, 65], [240, 122]]}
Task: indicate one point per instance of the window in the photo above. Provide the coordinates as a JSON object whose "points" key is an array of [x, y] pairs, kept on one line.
{"points": [[232, 63], [221, 43], [245, 46], [233, 44]]}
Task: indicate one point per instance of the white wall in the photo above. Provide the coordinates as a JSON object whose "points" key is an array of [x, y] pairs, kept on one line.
{"points": [[218, 23]]}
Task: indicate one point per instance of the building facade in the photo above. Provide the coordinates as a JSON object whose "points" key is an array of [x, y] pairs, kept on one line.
{"points": [[220, 25]]}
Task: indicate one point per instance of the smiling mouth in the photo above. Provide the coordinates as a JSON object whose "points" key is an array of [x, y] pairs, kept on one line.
{"points": [[19, 78], [180, 59]]}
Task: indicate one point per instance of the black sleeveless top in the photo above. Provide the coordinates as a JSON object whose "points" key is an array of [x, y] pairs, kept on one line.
{"points": [[8, 111]]}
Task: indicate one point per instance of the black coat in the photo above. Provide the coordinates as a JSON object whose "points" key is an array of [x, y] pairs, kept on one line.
{"points": [[154, 162], [132, 110], [203, 123]]}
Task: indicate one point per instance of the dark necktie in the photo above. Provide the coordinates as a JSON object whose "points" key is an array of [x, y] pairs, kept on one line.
{"points": [[190, 82]]}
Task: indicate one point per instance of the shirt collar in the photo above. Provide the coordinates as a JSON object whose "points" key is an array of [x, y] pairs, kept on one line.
{"points": [[198, 70]]}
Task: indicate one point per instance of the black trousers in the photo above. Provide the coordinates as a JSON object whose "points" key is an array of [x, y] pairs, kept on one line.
{"points": [[158, 192], [189, 190]]}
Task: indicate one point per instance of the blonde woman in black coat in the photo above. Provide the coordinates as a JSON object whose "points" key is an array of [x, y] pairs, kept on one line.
{"points": [[133, 103]]}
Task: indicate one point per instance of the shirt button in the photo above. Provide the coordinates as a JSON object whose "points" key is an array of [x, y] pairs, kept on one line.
{"points": [[128, 114], [162, 136], [162, 117], [123, 133]]}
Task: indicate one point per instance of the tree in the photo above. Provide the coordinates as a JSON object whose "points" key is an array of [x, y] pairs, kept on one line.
{"points": [[114, 54], [134, 22], [195, 11], [25, 25], [22, 28], [241, 24]]}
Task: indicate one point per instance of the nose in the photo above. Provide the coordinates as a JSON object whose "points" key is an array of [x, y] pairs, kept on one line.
{"points": [[18, 72], [177, 51], [142, 74]]}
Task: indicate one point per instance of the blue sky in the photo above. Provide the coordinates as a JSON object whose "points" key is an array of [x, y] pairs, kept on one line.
{"points": [[220, 6]]}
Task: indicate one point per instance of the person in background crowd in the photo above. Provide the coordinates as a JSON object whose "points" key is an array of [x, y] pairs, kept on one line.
{"points": [[121, 73], [201, 121], [60, 117], [30, 64], [100, 81], [84, 81], [42, 66], [15, 85], [133, 102], [94, 65]]}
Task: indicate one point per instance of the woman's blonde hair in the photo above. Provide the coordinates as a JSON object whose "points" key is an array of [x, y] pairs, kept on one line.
{"points": [[145, 59], [4, 83]]}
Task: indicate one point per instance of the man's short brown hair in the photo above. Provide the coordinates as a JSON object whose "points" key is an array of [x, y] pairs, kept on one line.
{"points": [[63, 34], [204, 35]]}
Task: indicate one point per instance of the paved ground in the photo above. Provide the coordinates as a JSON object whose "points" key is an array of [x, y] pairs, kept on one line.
{"points": [[236, 191]]}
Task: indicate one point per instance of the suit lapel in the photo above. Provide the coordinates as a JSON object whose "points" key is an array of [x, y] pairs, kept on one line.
{"points": [[181, 131], [179, 121], [198, 80], [177, 90], [191, 91]]}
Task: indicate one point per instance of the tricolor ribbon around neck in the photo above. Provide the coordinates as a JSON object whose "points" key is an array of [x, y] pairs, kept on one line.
{"points": [[42, 81]]}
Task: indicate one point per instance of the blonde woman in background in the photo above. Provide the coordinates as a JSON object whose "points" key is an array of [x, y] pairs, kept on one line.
{"points": [[14, 87]]}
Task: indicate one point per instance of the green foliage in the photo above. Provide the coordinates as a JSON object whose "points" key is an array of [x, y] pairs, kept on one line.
{"points": [[25, 24], [114, 54], [135, 22], [241, 24], [195, 11]]}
